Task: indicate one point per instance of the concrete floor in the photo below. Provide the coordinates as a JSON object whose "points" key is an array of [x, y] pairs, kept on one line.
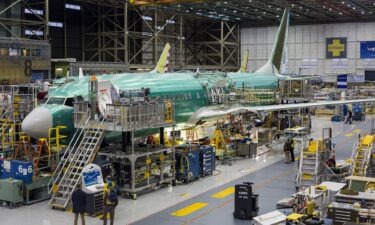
{"points": [[273, 180]]}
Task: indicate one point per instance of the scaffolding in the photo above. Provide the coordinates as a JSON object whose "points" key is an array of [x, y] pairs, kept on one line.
{"points": [[25, 19], [115, 31], [17, 102]]}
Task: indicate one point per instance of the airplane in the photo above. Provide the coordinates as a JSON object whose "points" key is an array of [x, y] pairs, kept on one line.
{"points": [[194, 93], [371, 49]]}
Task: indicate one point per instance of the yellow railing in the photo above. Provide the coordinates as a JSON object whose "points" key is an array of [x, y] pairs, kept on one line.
{"points": [[9, 134], [54, 138]]}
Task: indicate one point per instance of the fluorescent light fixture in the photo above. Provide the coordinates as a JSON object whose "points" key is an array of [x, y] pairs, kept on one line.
{"points": [[55, 24], [147, 18], [34, 11], [74, 7], [34, 32]]}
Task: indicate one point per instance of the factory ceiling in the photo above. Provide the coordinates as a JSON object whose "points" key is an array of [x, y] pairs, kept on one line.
{"points": [[265, 12]]}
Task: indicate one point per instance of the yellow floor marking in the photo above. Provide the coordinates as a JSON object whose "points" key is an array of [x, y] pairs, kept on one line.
{"points": [[224, 193], [184, 195], [190, 209], [349, 135], [357, 131], [70, 210], [100, 216]]}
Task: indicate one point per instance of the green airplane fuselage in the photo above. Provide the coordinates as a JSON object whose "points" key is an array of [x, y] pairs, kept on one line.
{"points": [[188, 90]]}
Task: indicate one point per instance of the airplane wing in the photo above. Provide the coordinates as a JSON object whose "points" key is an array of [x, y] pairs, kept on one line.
{"points": [[314, 77], [219, 111]]}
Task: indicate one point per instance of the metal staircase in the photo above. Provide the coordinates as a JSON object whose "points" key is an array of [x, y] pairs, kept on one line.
{"points": [[361, 156], [308, 172], [80, 152]]}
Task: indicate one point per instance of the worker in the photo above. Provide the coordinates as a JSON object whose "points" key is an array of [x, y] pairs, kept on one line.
{"points": [[110, 200], [79, 204], [349, 117], [287, 151], [292, 142]]}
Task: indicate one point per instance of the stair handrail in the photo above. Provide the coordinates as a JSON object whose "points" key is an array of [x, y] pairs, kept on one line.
{"points": [[98, 122], [368, 158], [2, 117], [72, 144], [317, 160], [299, 174], [354, 154]]}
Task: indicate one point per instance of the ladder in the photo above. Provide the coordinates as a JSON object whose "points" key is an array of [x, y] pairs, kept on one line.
{"points": [[79, 154], [361, 156], [308, 172]]}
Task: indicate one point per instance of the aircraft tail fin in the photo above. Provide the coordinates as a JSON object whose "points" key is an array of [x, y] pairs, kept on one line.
{"points": [[243, 68], [80, 72], [162, 65], [277, 59]]}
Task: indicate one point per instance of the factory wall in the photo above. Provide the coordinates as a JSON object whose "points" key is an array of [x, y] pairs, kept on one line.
{"points": [[307, 47]]}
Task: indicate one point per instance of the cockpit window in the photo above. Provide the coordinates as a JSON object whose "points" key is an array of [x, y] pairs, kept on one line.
{"points": [[69, 102], [56, 101]]}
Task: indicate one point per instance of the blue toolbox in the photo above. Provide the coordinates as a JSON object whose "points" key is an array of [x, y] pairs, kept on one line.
{"points": [[187, 163], [207, 160]]}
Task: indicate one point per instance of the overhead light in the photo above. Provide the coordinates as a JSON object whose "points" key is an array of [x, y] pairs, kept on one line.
{"points": [[330, 9], [363, 12], [340, 13], [353, 7]]}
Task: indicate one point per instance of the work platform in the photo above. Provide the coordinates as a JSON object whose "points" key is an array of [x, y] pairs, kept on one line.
{"points": [[125, 119], [132, 117]]}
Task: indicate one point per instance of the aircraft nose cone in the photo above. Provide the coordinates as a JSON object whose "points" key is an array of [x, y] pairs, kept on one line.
{"points": [[37, 123]]}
